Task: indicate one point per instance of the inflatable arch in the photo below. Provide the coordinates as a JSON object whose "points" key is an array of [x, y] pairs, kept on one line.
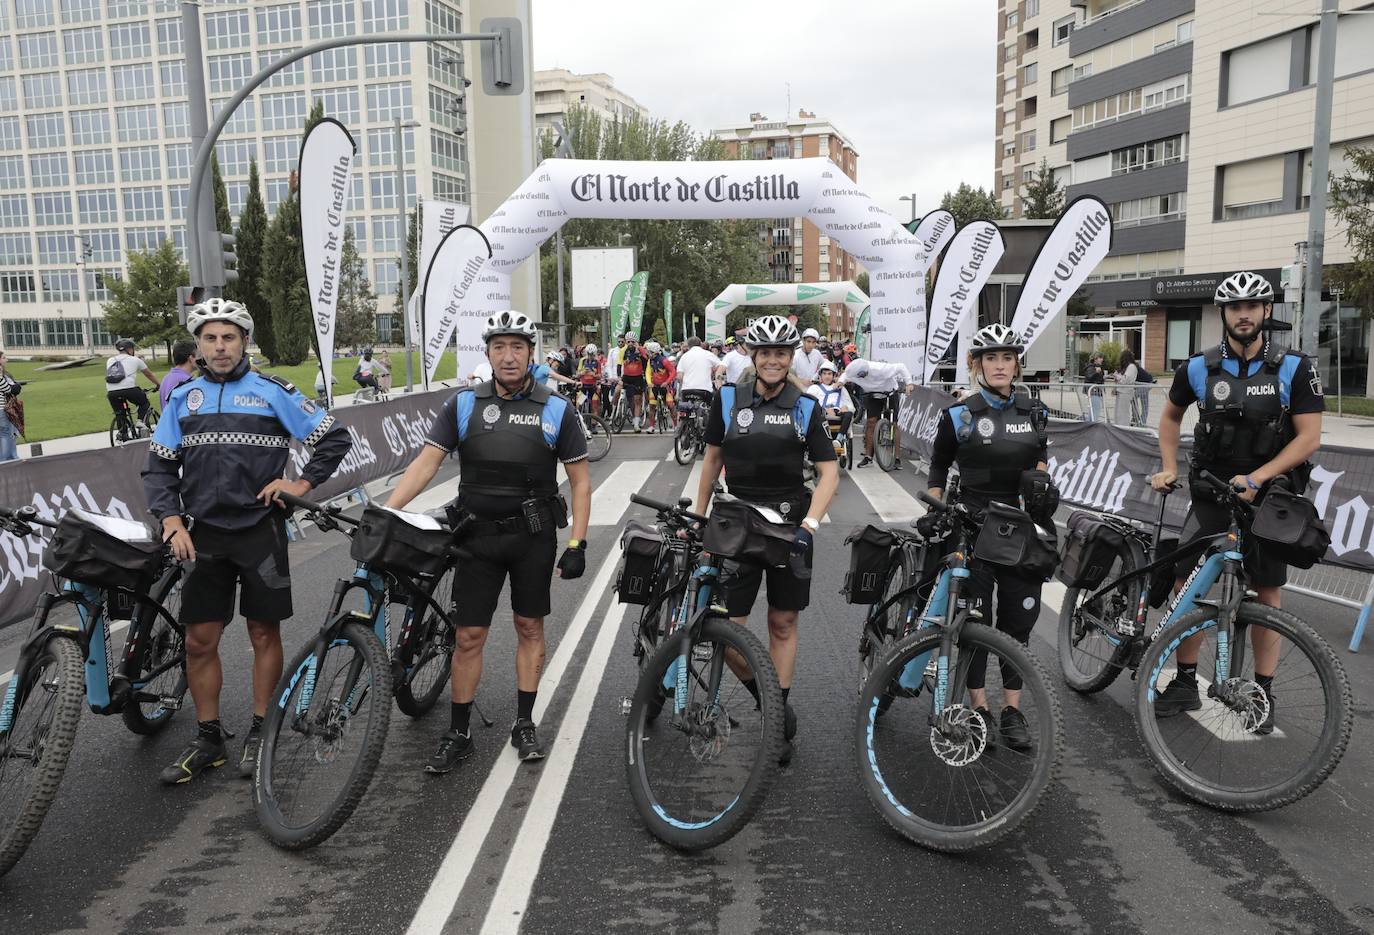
{"points": [[470, 275], [781, 293]]}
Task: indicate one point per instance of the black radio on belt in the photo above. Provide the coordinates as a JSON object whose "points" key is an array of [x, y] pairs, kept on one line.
{"points": [[544, 512]]}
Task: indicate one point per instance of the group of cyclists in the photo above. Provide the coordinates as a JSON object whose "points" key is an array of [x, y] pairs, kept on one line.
{"points": [[216, 467]]}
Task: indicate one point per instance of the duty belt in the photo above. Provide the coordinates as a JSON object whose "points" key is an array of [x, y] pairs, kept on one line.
{"points": [[497, 527]]}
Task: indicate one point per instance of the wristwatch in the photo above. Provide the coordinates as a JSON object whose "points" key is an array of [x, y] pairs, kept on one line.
{"points": [[577, 543], [811, 523]]}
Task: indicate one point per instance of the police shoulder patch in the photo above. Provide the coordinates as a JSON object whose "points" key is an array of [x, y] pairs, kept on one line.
{"points": [[280, 381]]}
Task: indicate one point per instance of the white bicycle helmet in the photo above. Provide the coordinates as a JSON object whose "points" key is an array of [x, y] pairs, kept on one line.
{"points": [[995, 337], [631, 336], [772, 331], [827, 365], [1244, 287], [509, 322], [653, 347], [811, 333], [590, 349], [217, 309]]}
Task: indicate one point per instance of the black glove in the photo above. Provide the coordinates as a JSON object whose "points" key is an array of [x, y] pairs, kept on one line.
{"points": [[573, 561], [801, 542], [930, 526], [798, 561], [1040, 496]]}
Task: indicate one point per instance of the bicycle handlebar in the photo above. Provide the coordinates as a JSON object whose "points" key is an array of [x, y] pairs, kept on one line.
{"points": [[931, 502], [318, 509], [23, 516], [667, 508], [1230, 491]]}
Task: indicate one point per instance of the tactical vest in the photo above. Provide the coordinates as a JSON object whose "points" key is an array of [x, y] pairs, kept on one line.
{"points": [[997, 445], [765, 442], [1242, 421], [508, 447]]}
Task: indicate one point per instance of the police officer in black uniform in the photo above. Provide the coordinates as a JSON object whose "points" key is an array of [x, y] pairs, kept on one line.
{"points": [[510, 434], [758, 430], [1259, 419], [998, 439]]}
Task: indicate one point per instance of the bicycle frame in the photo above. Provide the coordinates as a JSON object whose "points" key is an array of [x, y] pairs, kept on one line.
{"points": [[694, 607]]}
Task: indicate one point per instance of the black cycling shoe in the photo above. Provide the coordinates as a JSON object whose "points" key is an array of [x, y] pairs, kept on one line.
{"points": [[200, 754], [453, 749], [1015, 730], [525, 741], [1266, 727], [866, 461], [1177, 697], [988, 724], [248, 760]]}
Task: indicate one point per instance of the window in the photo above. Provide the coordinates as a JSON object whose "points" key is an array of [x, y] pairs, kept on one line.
{"points": [[133, 82], [1170, 91], [11, 172], [386, 235], [179, 161], [14, 211], [61, 286], [173, 78], [278, 24], [1149, 155], [1060, 78], [143, 239], [243, 121], [334, 65], [86, 87], [1009, 53], [288, 75], [278, 190], [49, 170], [234, 156], [99, 336], [94, 167], [1008, 149], [1032, 39], [1354, 40], [389, 101], [1185, 32], [52, 208], [103, 244], [1252, 189], [130, 40], [226, 29], [359, 228], [1107, 110], [136, 123], [38, 50], [1012, 19], [387, 61], [1009, 85], [178, 197], [1258, 70], [80, 11], [43, 90], [98, 289], [30, 14], [1032, 8], [169, 37], [283, 111], [56, 248], [1059, 129], [46, 131], [23, 332], [228, 73], [383, 187], [139, 164], [442, 18], [280, 153], [142, 204], [1150, 210], [1028, 141], [1030, 106], [84, 46], [98, 207], [447, 151], [385, 277], [1082, 71], [339, 103], [9, 95], [15, 250], [357, 203], [384, 15], [1063, 29], [9, 134], [381, 146], [1029, 73], [445, 64], [6, 53], [120, 9], [330, 18], [176, 119]]}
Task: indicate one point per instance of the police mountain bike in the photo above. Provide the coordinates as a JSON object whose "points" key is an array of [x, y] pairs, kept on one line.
{"points": [[65, 655], [701, 752], [328, 720], [1229, 753], [931, 765]]}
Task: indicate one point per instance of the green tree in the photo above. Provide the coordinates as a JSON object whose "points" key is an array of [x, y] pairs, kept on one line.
{"points": [[144, 306], [1042, 196], [223, 222], [861, 281], [1080, 304], [283, 284], [252, 230], [972, 204], [357, 309], [1352, 202]]}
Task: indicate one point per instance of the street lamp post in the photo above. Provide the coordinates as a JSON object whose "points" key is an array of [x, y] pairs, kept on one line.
{"points": [[911, 198], [400, 128], [84, 254], [1337, 293]]}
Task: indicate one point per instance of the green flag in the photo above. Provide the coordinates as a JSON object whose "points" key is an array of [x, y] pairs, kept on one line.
{"points": [[620, 310], [668, 312], [639, 291]]}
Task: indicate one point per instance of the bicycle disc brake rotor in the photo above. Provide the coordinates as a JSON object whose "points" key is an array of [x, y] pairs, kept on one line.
{"points": [[1245, 699], [959, 735], [328, 735], [708, 731]]}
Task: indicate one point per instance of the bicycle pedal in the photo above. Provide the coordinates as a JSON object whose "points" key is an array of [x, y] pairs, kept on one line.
{"points": [[170, 702], [626, 703]]}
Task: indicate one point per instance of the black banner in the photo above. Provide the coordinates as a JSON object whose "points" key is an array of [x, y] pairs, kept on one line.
{"points": [[386, 437], [1107, 468]]}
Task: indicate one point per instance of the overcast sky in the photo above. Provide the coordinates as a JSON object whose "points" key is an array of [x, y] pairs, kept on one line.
{"points": [[910, 82]]}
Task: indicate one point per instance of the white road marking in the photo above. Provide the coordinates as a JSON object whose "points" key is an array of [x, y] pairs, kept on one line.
{"points": [[612, 495], [689, 489], [892, 503], [453, 873], [1214, 717]]}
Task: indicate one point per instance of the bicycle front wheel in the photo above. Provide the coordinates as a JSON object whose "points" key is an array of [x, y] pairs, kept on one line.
{"points": [[698, 775], [323, 738], [157, 698], [598, 437], [1223, 753], [885, 444], [426, 662], [946, 778], [1095, 636], [35, 748]]}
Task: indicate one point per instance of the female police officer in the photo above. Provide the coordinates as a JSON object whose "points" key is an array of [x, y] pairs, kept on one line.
{"points": [[758, 430], [998, 440]]}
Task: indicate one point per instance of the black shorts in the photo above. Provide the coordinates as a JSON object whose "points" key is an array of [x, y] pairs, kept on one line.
{"points": [[741, 582], [253, 559], [876, 403], [484, 562], [633, 385], [1206, 517]]}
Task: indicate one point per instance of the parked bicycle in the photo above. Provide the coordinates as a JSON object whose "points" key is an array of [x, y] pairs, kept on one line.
{"points": [[328, 722], [126, 427], [1230, 754], [115, 571], [932, 767], [689, 439], [596, 432], [698, 775], [885, 433]]}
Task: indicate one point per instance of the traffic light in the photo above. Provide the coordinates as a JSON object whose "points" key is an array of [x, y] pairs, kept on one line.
{"points": [[229, 258], [503, 61], [187, 298]]}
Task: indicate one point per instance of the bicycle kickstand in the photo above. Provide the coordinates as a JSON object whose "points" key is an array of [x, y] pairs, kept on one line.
{"points": [[486, 721]]}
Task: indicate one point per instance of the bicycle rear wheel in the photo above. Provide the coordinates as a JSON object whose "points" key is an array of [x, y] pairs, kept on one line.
{"points": [[598, 437], [698, 775], [116, 427], [323, 738], [1095, 636], [619, 413], [155, 701], [901, 573], [885, 444], [1219, 754], [940, 777], [35, 747], [425, 664], [685, 441]]}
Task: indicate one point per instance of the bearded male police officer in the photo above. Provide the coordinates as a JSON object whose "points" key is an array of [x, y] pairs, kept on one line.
{"points": [[510, 433], [1259, 418]]}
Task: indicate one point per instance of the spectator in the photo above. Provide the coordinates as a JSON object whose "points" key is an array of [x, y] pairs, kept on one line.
{"points": [[11, 413], [1095, 376], [1126, 375], [183, 369]]}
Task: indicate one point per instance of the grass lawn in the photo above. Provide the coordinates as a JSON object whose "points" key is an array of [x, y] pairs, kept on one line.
{"points": [[59, 403], [1351, 405]]}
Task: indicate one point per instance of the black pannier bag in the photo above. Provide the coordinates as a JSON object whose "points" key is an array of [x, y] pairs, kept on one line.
{"points": [[737, 532], [1009, 537], [870, 553], [81, 551], [1287, 527], [641, 548], [1092, 544], [387, 541]]}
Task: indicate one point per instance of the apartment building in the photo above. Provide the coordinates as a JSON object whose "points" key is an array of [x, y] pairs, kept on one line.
{"points": [[556, 90], [94, 136], [794, 249]]}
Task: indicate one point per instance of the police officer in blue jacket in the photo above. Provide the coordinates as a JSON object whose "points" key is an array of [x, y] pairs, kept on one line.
{"points": [[214, 468], [510, 434], [1259, 418]]}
